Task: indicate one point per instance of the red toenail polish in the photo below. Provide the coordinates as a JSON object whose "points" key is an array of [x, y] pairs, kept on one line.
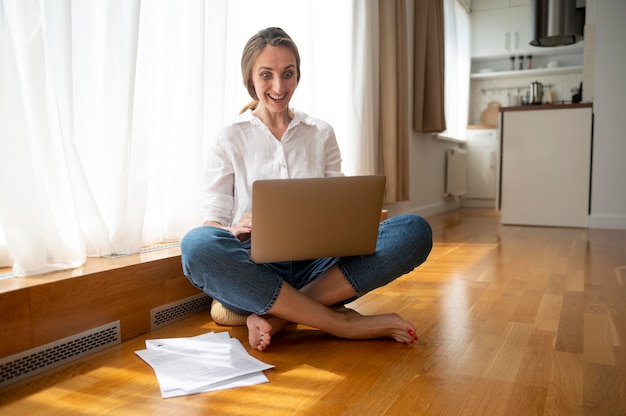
{"points": [[411, 333]]}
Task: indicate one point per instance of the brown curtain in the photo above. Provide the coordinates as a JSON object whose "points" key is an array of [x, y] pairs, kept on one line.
{"points": [[428, 87], [394, 100]]}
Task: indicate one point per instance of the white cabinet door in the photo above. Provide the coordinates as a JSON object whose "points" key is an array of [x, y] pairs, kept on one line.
{"points": [[482, 153], [490, 33], [478, 5], [519, 30], [496, 4], [501, 32], [546, 167]]}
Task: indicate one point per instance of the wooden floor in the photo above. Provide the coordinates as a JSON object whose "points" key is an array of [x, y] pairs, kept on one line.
{"points": [[512, 321]]}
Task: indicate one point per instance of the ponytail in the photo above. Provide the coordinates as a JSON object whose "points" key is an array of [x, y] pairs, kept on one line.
{"points": [[250, 106]]}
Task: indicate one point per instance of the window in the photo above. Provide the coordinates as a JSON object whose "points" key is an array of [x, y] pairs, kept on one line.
{"points": [[457, 68], [107, 106]]}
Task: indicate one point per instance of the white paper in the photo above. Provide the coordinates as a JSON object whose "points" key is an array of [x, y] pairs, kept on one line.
{"points": [[241, 381], [208, 362]]}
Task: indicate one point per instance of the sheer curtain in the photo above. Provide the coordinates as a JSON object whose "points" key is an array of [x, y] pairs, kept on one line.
{"points": [[106, 109], [457, 68]]}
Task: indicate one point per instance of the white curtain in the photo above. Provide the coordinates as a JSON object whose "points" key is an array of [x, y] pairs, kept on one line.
{"points": [[106, 108], [457, 68]]}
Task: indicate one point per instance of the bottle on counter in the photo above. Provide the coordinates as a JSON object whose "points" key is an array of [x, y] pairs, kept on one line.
{"points": [[514, 99], [512, 58], [529, 62], [521, 62], [549, 95], [524, 99]]}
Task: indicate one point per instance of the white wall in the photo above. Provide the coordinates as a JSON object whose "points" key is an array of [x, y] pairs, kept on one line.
{"points": [[608, 198], [427, 178]]}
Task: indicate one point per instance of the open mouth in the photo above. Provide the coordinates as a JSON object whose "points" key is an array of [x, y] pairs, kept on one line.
{"points": [[277, 97]]}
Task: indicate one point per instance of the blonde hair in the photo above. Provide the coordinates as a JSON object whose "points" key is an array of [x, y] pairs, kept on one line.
{"points": [[271, 36]]}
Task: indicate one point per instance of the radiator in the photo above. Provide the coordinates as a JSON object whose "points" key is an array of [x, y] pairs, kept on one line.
{"points": [[456, 172]]}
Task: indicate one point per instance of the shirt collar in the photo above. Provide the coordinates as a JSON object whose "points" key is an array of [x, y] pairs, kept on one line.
{"points": [[298, 117]]}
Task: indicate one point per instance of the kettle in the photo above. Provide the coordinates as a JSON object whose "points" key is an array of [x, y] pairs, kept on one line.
{"points": [[536, 92]]}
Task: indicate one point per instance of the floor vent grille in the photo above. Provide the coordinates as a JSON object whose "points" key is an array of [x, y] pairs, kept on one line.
{"points": [[28, 363], [172, 312]]}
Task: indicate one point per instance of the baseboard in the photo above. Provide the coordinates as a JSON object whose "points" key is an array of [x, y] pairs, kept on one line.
{"points": [[607, 221], [478, 203], [449, 204]]}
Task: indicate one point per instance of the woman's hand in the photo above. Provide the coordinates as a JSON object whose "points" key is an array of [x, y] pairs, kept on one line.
{"points": [[243, 228]]}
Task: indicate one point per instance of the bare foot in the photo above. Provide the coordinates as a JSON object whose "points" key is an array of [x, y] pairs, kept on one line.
{"points": [[351, 325], [376, 326], [261, 329]]}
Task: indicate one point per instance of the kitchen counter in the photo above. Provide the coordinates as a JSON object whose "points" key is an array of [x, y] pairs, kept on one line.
{"points": [[546, 165], [554, 106]]}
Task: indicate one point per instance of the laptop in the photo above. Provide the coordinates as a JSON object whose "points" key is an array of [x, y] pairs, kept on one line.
{"points": [[302, 219]]}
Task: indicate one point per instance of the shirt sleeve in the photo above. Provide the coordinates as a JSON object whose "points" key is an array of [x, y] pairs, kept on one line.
{"points": [[333, 155]]}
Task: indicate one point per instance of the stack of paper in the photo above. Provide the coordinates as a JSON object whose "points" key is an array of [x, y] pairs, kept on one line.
{"points": [[208, 362]]}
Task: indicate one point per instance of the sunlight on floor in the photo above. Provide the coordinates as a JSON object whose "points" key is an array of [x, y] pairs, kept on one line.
{"points": [[301, 388]]}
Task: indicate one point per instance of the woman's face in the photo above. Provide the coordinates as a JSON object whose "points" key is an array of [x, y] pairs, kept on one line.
{"points": [[274, 77]]}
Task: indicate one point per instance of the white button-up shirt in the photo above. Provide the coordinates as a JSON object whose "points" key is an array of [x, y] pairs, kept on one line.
{"points": [[246, 151]]}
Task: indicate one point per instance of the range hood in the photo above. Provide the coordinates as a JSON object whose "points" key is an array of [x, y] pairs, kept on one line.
{"points": [[556, 22]]}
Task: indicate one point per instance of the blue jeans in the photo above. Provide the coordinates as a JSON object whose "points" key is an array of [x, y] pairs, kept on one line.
{"points": [[216, 262]]}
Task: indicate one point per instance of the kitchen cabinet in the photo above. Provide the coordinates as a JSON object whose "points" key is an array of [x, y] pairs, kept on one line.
{"points": [[482, 159], [501, 32], [546, 165]]}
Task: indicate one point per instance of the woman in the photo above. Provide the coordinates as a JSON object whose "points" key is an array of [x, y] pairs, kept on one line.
{"points": [[271, 140]]}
